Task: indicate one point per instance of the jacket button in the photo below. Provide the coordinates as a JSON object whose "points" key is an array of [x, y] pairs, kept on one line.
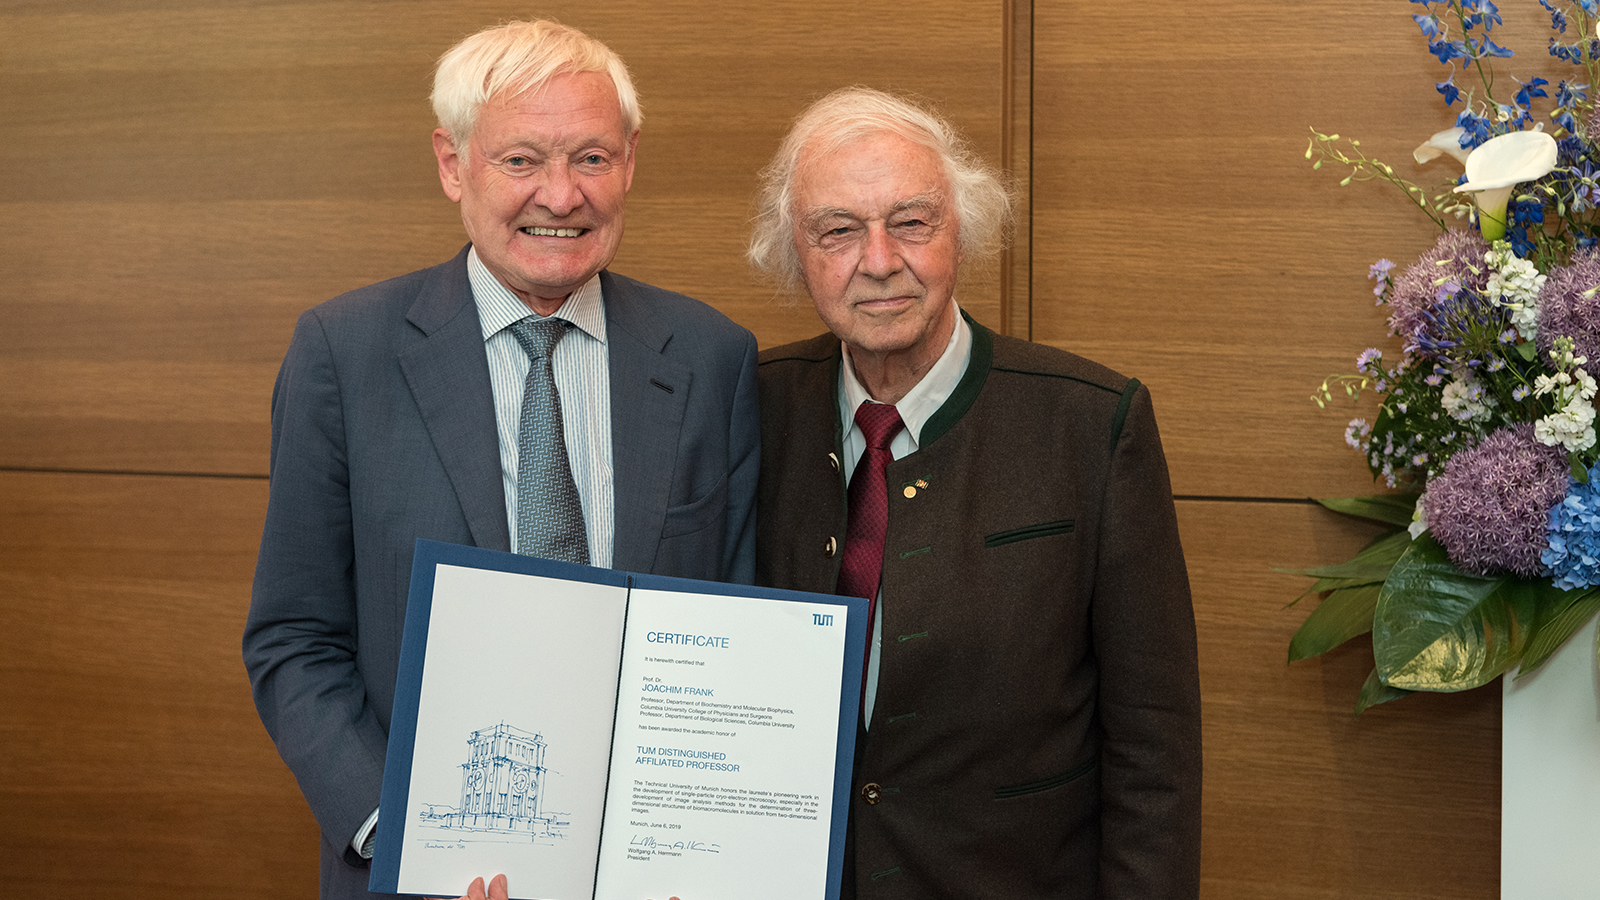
{"points": [[910, 491], [872, 792], [833, 460], [830, 548]]}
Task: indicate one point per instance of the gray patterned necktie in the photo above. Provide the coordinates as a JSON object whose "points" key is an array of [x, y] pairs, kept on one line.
{"points": [[549, 515]]}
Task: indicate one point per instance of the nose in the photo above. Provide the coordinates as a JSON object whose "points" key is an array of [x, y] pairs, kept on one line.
{"points": [[559, 191], [880, 256]]}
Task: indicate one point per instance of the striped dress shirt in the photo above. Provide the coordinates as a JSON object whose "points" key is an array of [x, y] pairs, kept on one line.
{"points": [[583, 381]]}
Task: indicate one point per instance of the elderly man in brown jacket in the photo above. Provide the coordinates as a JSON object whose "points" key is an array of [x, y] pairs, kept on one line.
{"points": [[1031, 720]]}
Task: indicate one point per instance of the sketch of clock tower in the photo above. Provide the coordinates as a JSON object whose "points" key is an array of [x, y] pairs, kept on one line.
{"points": [[501, 781]]}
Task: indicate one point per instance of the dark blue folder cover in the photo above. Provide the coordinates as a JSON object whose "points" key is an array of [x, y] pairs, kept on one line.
{"points": [[385, 876]]}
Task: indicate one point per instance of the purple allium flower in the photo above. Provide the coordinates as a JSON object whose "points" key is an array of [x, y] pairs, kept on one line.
{"points": [[1573, 555], [1456, 258], [1490, 506], [1565, 310]]}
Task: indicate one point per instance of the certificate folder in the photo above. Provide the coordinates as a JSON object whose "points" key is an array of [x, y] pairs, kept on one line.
{"points": [[600, 734]]}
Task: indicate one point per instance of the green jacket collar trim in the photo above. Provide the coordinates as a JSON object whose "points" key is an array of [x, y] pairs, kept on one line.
{"points": [[967, 390]]}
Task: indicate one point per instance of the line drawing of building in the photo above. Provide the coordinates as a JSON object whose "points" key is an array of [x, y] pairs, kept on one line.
{"points": [[502, 783]]}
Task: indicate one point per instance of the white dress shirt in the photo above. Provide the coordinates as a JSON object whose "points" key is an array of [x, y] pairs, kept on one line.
{"points": [[915, 408]]}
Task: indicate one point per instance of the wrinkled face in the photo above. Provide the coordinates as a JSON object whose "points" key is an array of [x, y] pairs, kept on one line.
{"points": [[877, 242], [542, 185]]}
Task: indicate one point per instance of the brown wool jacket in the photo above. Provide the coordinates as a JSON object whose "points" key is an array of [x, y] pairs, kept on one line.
{"points": [[1036, 731]]}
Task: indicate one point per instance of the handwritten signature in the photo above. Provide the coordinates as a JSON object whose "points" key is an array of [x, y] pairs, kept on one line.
{"points": [[647, 840]]}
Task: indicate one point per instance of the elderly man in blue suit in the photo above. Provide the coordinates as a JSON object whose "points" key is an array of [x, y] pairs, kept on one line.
{"points": [[518, 397]]}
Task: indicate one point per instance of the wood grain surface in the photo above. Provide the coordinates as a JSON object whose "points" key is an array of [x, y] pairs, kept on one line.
{"points": [[179, 179], [1181, 235], [132, 763], [1301, 799]]}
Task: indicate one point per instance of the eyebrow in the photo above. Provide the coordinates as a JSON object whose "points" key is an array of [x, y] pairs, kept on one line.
{"points": [[930, 199]]}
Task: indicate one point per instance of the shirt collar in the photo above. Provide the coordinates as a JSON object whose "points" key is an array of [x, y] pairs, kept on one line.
{"points": [[498, 308], [924, 399]]}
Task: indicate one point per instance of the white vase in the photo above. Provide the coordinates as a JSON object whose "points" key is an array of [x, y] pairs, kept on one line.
{"points": [[1550, 777]]}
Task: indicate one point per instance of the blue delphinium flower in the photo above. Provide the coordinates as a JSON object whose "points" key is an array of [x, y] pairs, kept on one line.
{"points": [[1477, 128], [1573, 554], [1558, 18], [1448, 50], [1569, 96], [1447, 88], [1530, 90]]}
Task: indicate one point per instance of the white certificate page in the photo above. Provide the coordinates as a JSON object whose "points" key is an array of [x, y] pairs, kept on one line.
{"points": [[513, 734], [722, 767]]}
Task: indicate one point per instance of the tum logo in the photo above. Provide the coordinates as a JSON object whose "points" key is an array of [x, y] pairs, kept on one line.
{"points": [[822, 618]]}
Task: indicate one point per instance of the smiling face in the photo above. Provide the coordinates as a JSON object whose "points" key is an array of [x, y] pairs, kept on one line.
{"points": [[877, 242], [543, 184]]}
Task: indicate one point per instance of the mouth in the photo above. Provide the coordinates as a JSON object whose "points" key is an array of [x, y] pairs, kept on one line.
{"points": [[537, 231], [883, 302]]}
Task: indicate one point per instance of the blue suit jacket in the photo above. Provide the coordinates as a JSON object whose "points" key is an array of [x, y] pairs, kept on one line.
{"points": [[383, 431]]}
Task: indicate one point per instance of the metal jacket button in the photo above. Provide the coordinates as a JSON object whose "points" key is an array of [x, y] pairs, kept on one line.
{"points": [[833, 460], [872, 792], [830, 548]]}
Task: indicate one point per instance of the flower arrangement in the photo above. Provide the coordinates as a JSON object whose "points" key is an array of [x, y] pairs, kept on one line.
{"points": [[1486, 421]]}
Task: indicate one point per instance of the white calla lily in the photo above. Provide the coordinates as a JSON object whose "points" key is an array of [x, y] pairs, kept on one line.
{"points": [[1446, 141], [1500, 164]]}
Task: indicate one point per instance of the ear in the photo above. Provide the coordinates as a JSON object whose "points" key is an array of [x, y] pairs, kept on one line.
{"points": [[633, 156], [449, 164]]}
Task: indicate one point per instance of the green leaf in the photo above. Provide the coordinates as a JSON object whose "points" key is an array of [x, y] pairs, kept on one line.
{"points": [[1346, 613], [1370, 566], [1375, 692], [1439, 629], [1527, 350], [1580, 474], [1563, 615], [1396, 509], [1346, 574]]}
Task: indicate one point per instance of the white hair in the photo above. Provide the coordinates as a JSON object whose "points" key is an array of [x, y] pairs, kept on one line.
{"points": [[514, 58], [981, 202]]}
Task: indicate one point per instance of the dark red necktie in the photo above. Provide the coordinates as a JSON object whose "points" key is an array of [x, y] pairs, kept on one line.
{"points": [[869, 510]]}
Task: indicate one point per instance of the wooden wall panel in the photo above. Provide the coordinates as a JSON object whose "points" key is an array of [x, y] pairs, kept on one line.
{"points": [[132, 763], [1301, 800], [1181, 236], [181, 179]]}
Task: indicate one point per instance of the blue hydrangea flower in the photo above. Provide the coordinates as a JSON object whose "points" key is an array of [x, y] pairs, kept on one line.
{"points": [[1573, 554]]}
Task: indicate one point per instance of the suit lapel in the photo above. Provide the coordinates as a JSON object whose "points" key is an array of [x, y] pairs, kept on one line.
{"points": [[649, 393], [448, 374]]}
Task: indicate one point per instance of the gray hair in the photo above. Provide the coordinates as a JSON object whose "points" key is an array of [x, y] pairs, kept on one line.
{"points": [[514, 58], [980, 199]]}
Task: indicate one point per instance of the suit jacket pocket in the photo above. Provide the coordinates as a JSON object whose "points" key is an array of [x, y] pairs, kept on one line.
{"points": [[1043, 529], [710, 510], [1035, 787]]}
